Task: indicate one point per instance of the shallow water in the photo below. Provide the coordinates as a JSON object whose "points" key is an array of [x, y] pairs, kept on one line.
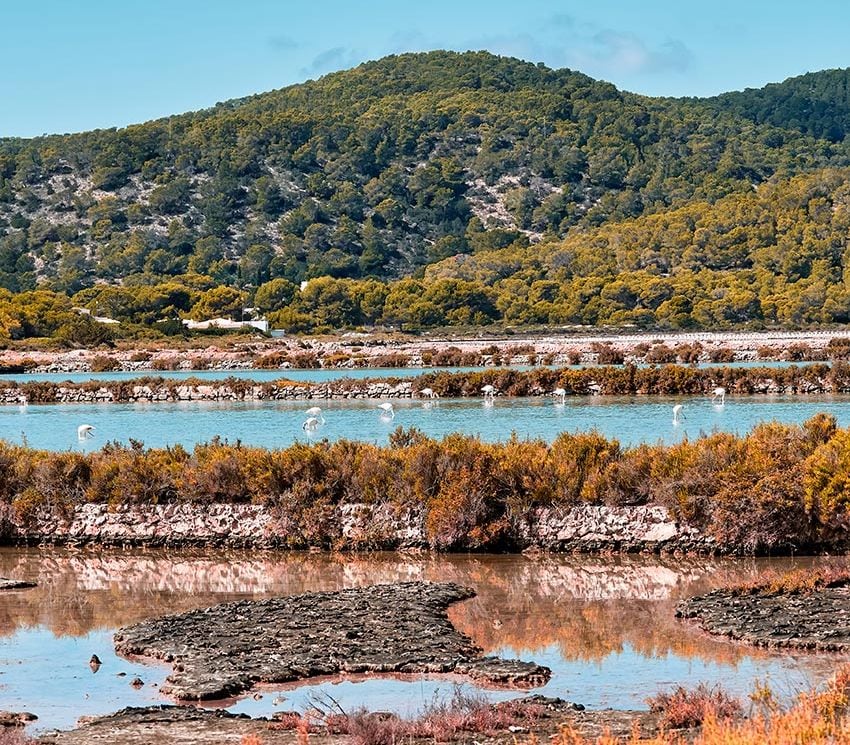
{"points": [[604, 625], [311, 376], [631, 419]]}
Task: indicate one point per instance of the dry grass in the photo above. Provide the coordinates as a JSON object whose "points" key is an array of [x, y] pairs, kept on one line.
{"points": [[682, 708], [442, 721], [796, 582], [817, 718]]}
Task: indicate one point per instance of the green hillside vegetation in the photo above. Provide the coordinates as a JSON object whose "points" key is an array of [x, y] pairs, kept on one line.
{"points": [[817, 104], [438, 189]]}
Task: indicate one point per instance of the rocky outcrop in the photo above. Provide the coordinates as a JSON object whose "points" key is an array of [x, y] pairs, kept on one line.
{"points": [[402, 628], [816, 620], [589, 528], [15, 719], [15, 584]]}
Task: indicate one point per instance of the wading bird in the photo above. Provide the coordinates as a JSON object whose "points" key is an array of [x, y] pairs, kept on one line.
{"points": [[311, 424], [85, 432], [719, 394], [316, 413], [489, 392], [387, 411], [560, 394], [428, 393], [677, 413]]}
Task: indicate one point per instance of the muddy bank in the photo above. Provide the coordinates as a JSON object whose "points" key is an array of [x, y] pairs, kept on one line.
{"points": [[816, 620], [352, 526], [177, 725], [403, 628]]}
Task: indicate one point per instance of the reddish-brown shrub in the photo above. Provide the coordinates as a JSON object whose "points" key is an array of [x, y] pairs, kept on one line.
{"points": [[660, 353], [104, 363], [682, 708]]}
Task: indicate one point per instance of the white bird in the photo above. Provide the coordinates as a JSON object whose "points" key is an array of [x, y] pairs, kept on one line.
{"points": [[677, 413], [84, 432], [719, 393], [311, 424], [560, 394], [489, 392], [316, 412], [387, 411], [428, 393]]}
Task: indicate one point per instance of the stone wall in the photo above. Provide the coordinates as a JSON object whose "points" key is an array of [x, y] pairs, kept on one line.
{"points": [[63, 394], [381, 526]]}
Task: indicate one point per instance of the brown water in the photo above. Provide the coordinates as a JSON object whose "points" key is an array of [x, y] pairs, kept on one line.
{"points": [[604, 625]]}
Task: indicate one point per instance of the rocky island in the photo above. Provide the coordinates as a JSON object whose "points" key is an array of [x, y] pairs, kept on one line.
{"points": [[402, 628]]}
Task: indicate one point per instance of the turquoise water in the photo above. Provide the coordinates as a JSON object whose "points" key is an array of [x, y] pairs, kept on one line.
{"points": [[604, 625], [631, 419]]}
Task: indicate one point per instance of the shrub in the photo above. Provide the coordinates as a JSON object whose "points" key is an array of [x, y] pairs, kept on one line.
{"points": [[682, 708], [166, 363], [688, 353], [607, 354], [660, 353], [271, 361], [721, 354], [104, 363], [838, 348]]}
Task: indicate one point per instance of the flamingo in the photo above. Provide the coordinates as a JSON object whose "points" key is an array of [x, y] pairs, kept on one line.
{"points": [[311, 424], [560, 394], [719, 393], [85, 432], [387, 411], [489, 392], [316, 412], [677, 413], [428, 393]]}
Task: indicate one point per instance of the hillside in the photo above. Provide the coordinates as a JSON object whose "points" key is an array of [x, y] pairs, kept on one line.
{"points": [[816, 104], [421, 165]]}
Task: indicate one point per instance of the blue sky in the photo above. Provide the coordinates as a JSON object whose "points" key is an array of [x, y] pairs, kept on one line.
{"points": [[71, 65]]}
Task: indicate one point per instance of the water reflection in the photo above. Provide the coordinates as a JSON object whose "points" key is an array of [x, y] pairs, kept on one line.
{"points": [[604, 624]]}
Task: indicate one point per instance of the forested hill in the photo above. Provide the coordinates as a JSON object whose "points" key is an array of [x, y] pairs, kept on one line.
{"points": [[402, 167], [816, 104]]}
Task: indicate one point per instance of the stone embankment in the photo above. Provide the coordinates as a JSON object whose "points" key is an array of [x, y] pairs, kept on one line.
{"points": [[668, 380], [145, 393], [582, 528], [401, 628]]}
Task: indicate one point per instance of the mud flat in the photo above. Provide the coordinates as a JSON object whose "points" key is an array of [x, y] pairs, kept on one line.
{"points": [[224, 650], [816, 620]]}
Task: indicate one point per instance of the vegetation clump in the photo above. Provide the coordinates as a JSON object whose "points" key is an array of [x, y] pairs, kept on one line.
{"points": [[758, 492]]}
